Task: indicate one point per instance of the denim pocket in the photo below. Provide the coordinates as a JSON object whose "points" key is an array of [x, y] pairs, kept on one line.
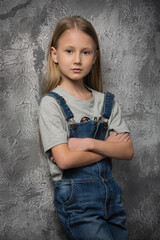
{"points": [[63, 192]]}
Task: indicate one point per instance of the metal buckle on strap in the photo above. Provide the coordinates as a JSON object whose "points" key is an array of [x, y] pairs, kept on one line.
{"points": [[105, 125], [59, 102], [64, 101]]}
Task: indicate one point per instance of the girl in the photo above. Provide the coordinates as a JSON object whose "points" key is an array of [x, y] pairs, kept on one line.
{"points": [[75, 120]]}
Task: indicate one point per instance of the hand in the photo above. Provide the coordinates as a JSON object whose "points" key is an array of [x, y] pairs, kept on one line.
{"points": [[118, 137], [78, 144]]}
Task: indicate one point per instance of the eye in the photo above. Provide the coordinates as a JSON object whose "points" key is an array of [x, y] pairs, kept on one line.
{"points": [[86, 52], [68, 51]]}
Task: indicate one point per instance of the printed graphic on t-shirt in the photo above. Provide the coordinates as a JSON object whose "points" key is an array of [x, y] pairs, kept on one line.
{"points": [[86, 119]]}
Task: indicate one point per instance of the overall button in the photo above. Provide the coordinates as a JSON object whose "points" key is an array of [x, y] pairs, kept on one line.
{"points": [[74, 127]]}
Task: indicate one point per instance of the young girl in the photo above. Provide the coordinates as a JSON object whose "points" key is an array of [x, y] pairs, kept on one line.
{"points": [[75, 120]]}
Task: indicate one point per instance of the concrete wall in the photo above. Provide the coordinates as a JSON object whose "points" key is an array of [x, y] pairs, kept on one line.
{"points": [[129, 33]]}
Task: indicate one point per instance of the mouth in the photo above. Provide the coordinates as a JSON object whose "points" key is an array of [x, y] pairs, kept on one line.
{"points": [[76, 70]]}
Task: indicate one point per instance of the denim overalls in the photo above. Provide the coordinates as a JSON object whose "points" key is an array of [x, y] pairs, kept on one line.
{"points": [[87, 199]]}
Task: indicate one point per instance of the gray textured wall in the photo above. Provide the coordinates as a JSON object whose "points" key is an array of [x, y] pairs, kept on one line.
{"points": [[129, 33]]}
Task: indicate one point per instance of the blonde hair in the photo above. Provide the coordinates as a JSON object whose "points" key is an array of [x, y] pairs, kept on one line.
{"points": [[52, 76]]}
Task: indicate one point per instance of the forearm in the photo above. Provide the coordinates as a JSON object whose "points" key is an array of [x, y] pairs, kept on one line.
{"points": [[117, 150], [65, 158]]}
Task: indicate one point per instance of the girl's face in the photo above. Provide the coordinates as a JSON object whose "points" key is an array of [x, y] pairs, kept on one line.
{"points": [[75, 54]]}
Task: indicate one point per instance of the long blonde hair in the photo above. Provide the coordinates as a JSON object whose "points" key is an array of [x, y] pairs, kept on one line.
{"points": [[52, 76]]}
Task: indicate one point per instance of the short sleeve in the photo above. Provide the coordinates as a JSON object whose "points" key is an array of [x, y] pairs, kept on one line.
{"points": [[116, 122], [52, 123]]}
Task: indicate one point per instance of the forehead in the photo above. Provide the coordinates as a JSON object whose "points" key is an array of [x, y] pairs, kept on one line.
{"points": [[76, 37]]}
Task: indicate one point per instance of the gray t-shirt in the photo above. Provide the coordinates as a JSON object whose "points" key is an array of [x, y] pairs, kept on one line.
{"points": [[54, 127]]}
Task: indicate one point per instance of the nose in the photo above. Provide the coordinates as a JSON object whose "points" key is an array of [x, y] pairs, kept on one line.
{"points": [[77, 59]]}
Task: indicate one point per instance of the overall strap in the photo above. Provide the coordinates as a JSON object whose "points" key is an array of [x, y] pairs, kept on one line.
{"points": [[108, 104], [61, 101]]}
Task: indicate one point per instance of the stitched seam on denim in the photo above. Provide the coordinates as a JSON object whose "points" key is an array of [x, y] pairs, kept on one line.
{"points": [[76, 180], [107, 180], [84, 180], [70, 229], [84, 123], [108, 103], [110, 197], [67, 111], [66, 116], [109, 100], [61, 101], [97, 128], [104, 104], [99, 170], [79, 180], [67, 221], [106, 199], [71, 196]]}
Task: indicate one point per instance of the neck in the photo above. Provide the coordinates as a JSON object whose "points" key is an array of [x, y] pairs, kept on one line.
{"points": [[76, 89], [73, 86]]}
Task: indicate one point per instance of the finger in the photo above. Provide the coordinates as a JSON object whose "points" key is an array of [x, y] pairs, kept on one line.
{"points": [[119, 137], [126, 139], [126, 135], [113, 134], [123, 136]]}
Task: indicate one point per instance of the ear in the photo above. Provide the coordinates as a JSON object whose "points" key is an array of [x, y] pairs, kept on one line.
{"points": [[54, 55]]}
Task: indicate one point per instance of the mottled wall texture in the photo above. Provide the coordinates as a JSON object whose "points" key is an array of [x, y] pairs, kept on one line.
{"points": [[129, 34]]}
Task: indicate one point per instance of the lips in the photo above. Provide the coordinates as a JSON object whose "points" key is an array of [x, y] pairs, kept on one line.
{"points": [[77, 70]]}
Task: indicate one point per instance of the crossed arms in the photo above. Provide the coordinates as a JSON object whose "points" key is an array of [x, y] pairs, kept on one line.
{"points": [[80, 152]]}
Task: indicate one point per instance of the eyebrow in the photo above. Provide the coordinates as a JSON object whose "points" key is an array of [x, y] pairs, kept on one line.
{"points": [[89, 48]]}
